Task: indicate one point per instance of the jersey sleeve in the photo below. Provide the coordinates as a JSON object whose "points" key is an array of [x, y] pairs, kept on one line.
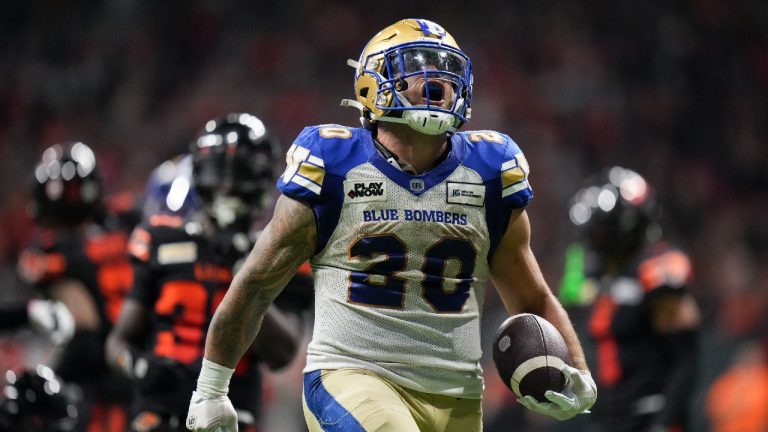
{"points": [[516, 189], [502, 165], [304, 174]]}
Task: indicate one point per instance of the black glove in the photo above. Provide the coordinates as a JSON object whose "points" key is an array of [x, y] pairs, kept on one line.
{"points": [[155, 374]]}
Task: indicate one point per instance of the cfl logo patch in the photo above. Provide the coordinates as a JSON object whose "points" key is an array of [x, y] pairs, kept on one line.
{"points": [[417, 185]]}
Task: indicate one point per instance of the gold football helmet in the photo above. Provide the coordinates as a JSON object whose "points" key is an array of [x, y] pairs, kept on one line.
{"points": [[410, 51]]}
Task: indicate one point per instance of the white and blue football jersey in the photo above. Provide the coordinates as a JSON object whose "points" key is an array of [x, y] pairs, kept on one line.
{"points": [[402, 260]]}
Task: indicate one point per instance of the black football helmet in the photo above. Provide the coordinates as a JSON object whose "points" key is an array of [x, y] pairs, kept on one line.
{"points": [[67, 187], [234, 162], [37, 400], [615, 212]]}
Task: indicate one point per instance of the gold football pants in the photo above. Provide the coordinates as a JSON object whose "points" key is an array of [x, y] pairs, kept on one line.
{"points": [[348, 400]]}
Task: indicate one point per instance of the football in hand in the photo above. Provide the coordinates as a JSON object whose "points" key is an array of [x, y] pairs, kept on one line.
{"points": [[529, 353]]}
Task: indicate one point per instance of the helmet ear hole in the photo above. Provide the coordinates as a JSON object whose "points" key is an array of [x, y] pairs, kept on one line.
{"points": [[364, 92]]}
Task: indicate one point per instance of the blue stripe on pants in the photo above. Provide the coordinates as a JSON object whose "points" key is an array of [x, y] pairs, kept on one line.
{"points": [[327, 410]]}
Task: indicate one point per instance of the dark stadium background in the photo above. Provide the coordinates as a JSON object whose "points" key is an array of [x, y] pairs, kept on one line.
{"points": [[677, 90]]}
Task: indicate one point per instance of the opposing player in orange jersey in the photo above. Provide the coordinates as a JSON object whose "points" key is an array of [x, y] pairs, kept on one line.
{"points": [[183, 267], [79, 259], [643, 319]]}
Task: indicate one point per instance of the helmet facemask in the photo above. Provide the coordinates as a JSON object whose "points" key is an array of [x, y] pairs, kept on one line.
{"points": [[424, 85]]}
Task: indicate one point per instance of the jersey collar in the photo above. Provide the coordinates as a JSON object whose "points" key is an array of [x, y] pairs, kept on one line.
{"points": [[415, 184]]}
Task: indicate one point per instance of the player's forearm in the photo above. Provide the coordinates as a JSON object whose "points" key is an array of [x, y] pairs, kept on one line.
{"points": [[553, 312], [239, 317], [236, 323], [284, 244], [126, 340]]}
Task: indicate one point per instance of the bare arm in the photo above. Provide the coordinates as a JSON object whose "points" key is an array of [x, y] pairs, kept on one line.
{"points": [[283, 246], [85, 351], [521, 286], [76, 298], [129, 330]]}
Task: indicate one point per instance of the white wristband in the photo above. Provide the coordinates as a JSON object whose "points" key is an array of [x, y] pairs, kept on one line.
{"points": [[214, 379]]}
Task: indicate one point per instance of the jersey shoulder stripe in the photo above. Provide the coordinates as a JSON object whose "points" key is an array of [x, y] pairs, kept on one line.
{"points": [[499, 160], [320, 151]]}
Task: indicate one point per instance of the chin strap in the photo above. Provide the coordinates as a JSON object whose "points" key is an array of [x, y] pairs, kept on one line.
{"points": [[417, 119], [351, 103]]}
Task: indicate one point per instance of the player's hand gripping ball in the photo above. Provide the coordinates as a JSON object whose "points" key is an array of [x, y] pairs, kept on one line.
{"points": [[530, 355]]}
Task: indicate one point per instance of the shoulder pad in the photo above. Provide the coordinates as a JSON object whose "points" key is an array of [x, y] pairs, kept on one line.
{"points": [[669, 269], [36, 266], [498, 158], [319, 151]]}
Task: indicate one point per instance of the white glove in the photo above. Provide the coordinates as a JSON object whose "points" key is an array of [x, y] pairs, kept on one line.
{"points": [[578, 396], [211, 414], [52, 318], [210, 410]]}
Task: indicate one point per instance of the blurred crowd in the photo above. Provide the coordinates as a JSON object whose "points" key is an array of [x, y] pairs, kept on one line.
{"points": [[677, 91]]}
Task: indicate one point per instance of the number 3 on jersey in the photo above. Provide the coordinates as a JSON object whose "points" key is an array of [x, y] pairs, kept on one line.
{"points": [[379, 286]]}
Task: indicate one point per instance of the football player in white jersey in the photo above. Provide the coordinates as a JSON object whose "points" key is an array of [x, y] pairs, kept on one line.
{"points": [[403, 221]]}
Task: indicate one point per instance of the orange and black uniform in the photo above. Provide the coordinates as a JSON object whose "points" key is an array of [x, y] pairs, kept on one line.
{"points": [[643, 377], [181, 277], [95, 255]]}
